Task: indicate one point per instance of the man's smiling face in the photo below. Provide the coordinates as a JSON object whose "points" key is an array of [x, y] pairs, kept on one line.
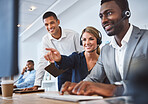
{"points": [[111, 15]]}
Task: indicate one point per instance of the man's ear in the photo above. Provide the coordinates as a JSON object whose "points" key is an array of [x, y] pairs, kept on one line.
{"points": [[58, 21]]}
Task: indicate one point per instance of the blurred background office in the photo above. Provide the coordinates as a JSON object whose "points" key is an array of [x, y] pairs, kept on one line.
{"points": [[74, 14]]}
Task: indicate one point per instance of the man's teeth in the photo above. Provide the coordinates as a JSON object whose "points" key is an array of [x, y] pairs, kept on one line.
{"points": [[107, 27], [51, 29]]}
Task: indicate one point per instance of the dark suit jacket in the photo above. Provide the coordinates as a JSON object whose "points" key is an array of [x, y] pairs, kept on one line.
{"points": [[137, 50]]}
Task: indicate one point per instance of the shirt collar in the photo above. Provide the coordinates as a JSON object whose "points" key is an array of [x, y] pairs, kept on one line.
{"points": [[128, 34], [32, 71], [125, 38], [63, 35]]}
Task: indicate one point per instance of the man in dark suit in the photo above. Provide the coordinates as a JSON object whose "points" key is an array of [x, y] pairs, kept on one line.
{"points": [[129, 45]]}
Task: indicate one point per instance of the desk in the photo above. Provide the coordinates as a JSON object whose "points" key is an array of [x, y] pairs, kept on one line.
{"points": [[112, 100], [32, 98]]}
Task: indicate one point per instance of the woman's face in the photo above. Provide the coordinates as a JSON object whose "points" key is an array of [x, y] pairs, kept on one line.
{"points": [[89, 42]]}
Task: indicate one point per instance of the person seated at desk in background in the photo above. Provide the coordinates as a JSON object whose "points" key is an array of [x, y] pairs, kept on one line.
{"points": [[26, 81], [82, 63], [117, 58]]}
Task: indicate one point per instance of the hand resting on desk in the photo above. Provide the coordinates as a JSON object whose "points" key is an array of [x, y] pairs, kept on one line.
{"points": [[88, 88], [31, 88]]}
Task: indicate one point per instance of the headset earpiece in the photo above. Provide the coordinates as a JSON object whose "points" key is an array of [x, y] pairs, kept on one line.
{"points": [[99, 41], [81, 42], [126, 14]]}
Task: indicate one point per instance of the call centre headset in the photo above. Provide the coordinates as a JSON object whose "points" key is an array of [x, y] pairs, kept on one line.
{"points": [[126, 14], [99, 39]]}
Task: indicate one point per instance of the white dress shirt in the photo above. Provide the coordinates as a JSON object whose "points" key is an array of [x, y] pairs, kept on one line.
{"points": [[120, 51], [68, 43]]}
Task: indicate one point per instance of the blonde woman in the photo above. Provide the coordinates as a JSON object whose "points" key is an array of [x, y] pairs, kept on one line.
{"points": [[80, 63]]}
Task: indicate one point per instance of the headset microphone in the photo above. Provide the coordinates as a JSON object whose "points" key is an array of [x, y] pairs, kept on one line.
{"points": [[125, 14], [94, 49], [118, 22]]}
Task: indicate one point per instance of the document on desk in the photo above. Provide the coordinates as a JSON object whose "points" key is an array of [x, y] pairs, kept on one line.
{"points": [[73, 98]]}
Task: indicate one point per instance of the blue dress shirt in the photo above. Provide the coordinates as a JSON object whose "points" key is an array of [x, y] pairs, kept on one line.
{"points": [[27, 81], [77, 62]]}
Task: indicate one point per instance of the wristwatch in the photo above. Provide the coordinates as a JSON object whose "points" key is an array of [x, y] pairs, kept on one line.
{"points": [[119, 88], [118, 83]]}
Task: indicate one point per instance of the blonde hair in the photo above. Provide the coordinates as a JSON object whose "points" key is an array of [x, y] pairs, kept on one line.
{"points": [[95, 32]]}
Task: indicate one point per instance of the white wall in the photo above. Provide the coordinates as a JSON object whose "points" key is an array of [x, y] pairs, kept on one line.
{"points": [[27, 51], [139, 13], [83, 13]]}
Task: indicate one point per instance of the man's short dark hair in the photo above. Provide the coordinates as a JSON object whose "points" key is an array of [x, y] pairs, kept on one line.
{"points": [[49, 14], [123, 4], [31, 61]]}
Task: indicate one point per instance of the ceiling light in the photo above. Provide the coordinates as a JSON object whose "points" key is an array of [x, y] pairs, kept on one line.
{"points": [[18, 25], [32, 8]]}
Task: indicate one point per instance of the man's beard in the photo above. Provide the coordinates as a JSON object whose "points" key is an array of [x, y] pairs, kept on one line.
{"points": [[116, 30]]}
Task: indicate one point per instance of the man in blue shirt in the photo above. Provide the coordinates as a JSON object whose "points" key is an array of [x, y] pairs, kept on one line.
{"points": [[27, 77]]}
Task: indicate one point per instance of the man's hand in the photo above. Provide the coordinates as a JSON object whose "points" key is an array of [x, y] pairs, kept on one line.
{"points": [[31, 88], [52, 55], [24, 69], [67, 86], [92, 88], [89, 88]]}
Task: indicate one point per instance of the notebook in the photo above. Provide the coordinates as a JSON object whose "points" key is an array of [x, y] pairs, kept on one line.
{"points": [[73, 98]]}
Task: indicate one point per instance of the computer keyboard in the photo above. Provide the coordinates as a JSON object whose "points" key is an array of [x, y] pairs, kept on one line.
{"points": [[73, 98]]}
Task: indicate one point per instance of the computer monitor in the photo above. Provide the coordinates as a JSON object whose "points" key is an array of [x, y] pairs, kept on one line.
{"points": [[8, 38]]}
